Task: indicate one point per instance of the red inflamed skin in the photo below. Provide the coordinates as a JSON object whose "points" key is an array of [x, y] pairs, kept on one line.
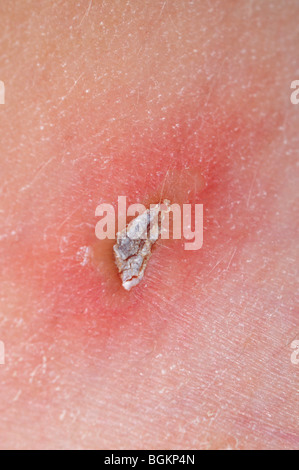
{"points": [[189, 101]]}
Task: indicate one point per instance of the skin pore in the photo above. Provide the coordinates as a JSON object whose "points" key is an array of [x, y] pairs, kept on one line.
{"points": [[108, 98]]}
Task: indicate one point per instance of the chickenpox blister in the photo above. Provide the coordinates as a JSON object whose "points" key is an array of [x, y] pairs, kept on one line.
{"points": [[134, 244]]}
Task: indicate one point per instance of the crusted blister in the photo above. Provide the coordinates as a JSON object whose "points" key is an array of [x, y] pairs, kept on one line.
{"points": [[134, 244]]}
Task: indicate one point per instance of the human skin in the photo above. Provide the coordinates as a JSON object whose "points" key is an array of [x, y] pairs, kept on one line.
{"points": [[108, 98]]}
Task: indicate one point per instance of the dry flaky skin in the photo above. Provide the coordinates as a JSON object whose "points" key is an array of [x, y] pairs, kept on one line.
{"points": [[134, 243]]}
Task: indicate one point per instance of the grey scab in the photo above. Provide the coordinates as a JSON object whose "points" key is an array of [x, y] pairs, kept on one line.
{"points": [[126, 247], [133, 245]]}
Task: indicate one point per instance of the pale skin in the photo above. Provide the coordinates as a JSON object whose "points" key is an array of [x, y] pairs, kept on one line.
{"points": [[102, 99]]}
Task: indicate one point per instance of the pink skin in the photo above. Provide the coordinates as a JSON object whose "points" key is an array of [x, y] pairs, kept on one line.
{"points": [[120, 98]]}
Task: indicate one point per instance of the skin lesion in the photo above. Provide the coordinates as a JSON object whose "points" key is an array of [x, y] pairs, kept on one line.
{"points": [[133, 246], [180, 185]]}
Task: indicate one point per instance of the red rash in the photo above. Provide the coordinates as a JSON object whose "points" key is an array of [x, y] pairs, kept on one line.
{"points": [[190, 165]]}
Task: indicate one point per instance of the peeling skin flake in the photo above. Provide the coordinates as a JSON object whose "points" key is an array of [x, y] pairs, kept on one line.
{"points": [[134, 243]]}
